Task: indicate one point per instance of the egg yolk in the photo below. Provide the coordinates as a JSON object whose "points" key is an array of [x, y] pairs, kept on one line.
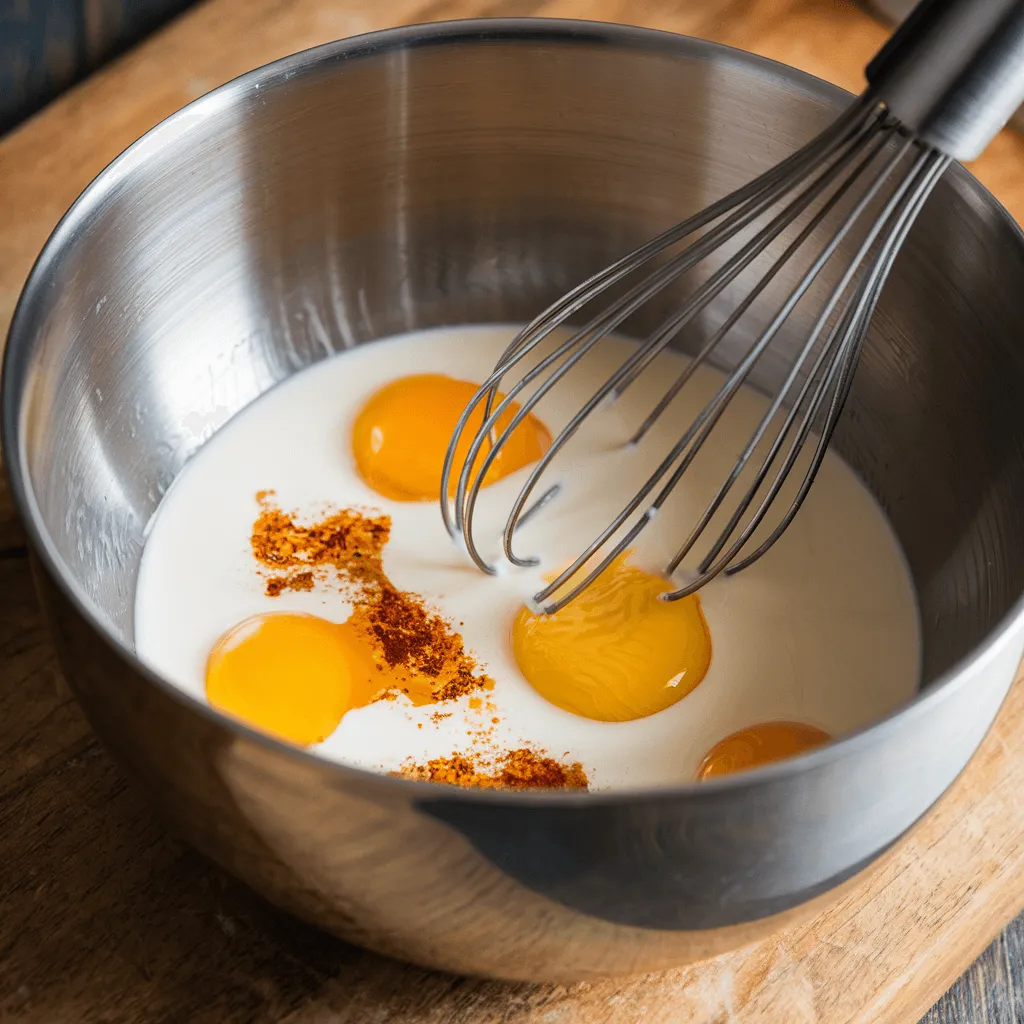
{"points": [[760, 745], [401, 435], [287, 675], [617, 652], [295, 676]]}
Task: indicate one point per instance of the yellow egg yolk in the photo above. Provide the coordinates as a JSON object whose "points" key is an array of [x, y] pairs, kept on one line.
{"points": [[401, 435], [760, 745], [616, 652], [295, 676], [287, 675]]}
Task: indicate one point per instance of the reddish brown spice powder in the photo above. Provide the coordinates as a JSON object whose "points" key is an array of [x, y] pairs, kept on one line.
{"points": [[414, 649], [414, 638], [348, 541], [277, 585], [515, 769], [421, 653]]}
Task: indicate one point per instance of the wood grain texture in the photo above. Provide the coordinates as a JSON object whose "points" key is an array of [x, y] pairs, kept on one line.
{"points": [[105, 918]]}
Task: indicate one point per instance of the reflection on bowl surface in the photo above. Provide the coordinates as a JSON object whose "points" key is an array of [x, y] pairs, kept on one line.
{"points": [[470, 173]]}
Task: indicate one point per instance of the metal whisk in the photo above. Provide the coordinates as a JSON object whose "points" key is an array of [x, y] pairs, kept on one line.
{"points": [[940, 90]]}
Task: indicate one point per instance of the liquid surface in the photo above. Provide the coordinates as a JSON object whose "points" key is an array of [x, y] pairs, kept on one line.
{"points": [[822, 631]]}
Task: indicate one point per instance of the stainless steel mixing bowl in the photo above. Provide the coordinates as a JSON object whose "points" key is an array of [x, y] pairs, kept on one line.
{"points": [[471, 172]]}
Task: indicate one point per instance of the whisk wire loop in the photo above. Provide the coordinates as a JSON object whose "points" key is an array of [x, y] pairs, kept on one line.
{"points": [[597, 329], [864, 172], [854, 340], [839, 355], [763, 191]]}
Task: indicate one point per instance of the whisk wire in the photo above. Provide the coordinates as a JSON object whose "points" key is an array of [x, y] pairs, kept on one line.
{"points": [[600, 326], [559, 311], [936, 165], [754, 293], [694, 438], [845, 132], [862, 168], [656, 342], [842, 326]]}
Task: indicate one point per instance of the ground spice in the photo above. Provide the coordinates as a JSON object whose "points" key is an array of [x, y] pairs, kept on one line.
{"points": [[348, 541], [514, 769], [407, 647], [415, 649], [277, 585], [412, 637]]}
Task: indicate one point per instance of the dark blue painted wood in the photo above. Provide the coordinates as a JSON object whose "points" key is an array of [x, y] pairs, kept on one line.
{"points": [[992, 990], [47, 45]]}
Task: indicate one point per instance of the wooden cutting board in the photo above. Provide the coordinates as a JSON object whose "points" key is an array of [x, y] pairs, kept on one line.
{"points": [[104, 918]]}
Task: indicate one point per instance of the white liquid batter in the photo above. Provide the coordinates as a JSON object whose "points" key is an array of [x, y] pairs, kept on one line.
{"points": [[822, 630]]}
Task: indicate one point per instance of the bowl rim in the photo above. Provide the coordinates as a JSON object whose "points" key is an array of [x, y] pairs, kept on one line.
{"points": [[445, 33]]}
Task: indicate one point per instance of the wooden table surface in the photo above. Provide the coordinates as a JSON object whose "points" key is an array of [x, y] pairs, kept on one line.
{"points": [[104, 918]]}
